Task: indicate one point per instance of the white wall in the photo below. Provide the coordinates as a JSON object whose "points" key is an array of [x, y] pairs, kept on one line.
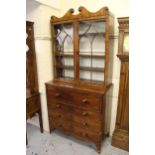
{"points": [[40, 15], [120, 8]]}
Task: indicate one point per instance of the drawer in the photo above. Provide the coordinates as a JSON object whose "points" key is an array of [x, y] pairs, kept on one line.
{"points": [[58, 94], [58, 110], [60, 124], [87, 100], [59, 114], [86, 134], [85, 114], [74, 97], [57, 106], [87, 125]]}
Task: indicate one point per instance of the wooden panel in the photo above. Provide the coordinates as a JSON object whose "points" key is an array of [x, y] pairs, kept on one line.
{"points": [[32, 105], [123, 100], [31, 66], [120, 136], [125, 109], [120, 139]]}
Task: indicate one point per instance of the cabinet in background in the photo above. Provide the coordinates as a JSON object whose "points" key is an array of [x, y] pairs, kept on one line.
{"points": [[120, 136], [32, 92]]}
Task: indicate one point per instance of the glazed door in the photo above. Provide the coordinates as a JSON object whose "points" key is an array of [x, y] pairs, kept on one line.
{"points": [[63, 51]]}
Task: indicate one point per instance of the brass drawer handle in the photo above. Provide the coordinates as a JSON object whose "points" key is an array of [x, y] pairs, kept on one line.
{"points": [[58, 106], [57, 95], [84, 100], [85, 124], [84, 134], [84, 113]]}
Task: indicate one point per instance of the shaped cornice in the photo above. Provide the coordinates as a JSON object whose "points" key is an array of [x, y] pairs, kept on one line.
{"points": [[123, 23], [83, 14]]}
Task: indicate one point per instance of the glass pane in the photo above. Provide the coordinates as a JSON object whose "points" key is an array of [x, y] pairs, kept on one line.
{"points": [[64, 50], [92, 50], [126, 42]]}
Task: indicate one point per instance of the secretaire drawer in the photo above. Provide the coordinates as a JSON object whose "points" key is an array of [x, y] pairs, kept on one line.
{"points": [[58, 94], [87, 100], [75, 97]]}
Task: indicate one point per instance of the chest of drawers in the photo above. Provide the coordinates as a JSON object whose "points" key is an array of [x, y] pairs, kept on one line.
{"points": [[77, 112]]}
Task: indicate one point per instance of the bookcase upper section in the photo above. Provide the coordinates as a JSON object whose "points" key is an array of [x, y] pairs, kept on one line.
{"points": [[80, 47]]}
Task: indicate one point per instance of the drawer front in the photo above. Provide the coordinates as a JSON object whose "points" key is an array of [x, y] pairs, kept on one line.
{"points": [[58, 114], [87, 125], [57, 106], [87, 100], [60, 124], [86, 134], [58, 94], [75, 97], [87, 115]]}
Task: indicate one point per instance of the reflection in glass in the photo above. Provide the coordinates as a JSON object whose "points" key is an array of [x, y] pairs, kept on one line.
{"points": [[63, 48], [27, 48], [126, 43], [92, 50]]}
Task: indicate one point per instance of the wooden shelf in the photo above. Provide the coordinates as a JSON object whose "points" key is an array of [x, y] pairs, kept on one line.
{"points": [[93, 69], [81, 55], [66, 78], [93, 56], [91, 34], [65, 67], [92, 81], [65, 55]]}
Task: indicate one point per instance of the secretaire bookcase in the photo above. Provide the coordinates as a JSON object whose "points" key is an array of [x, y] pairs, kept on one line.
{"points": [[76, 96]]}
